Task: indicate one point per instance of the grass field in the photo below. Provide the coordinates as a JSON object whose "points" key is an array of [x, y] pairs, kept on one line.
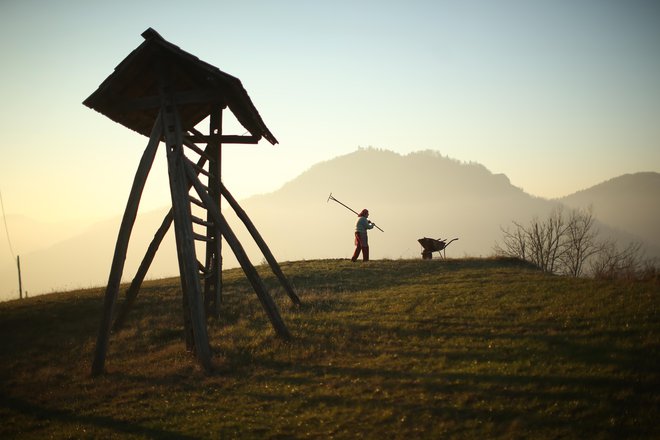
{"points": [[470, 348]]}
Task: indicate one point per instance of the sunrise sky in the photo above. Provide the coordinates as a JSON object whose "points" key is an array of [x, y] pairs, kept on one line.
{"points": [[559, 95]]}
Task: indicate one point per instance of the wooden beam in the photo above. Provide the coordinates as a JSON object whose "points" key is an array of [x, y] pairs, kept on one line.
{"points": [[274, 265], [200, 169], [213, 283], [188, 143], [121, 247], [250, 272], [200, 138], [196, 201], [190, 284], [201, 222], [234, 139], [200, 237]]}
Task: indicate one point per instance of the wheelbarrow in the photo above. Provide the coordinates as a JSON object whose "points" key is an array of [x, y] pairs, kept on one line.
{"points": [[431, 245]]}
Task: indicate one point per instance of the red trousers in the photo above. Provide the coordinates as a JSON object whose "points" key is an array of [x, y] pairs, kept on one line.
{"points": [[361, 244]]}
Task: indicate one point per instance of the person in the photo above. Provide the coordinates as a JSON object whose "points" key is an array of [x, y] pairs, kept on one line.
{"points": [[361, 238]]}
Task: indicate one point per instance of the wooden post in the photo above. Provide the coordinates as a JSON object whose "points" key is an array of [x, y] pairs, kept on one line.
{"points": [[190, 284], [121, 247], [250, 272], [213, 284], [20, 281], [274, 265]]}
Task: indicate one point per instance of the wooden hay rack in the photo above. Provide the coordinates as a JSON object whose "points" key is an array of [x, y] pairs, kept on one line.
{"points": [[163, 92]]}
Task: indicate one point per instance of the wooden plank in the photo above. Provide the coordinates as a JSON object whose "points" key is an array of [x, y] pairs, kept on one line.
{"points": [[250, 272], [121, 247], [274, 265]]}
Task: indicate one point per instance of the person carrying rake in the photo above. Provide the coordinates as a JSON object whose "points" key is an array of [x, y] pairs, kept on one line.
{"points": [[362, 225]]}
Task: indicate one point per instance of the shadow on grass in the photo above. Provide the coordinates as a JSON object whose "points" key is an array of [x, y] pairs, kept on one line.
{"points": [[118, 426]]}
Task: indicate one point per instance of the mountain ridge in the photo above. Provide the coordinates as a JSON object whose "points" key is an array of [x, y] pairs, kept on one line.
{"points": [[420, 194], [628, 202]]}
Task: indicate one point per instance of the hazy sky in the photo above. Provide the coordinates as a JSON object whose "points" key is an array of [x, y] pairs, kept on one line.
{"points": [[559, 94]]}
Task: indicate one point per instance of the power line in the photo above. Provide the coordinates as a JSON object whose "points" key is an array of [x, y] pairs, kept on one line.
{"points": [[11, 249]]}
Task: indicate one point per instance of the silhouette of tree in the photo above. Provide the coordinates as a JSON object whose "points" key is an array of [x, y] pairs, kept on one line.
{"points": [[566, 245], [580, 241]]}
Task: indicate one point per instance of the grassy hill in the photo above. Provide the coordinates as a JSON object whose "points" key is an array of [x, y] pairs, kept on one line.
{"points": [[390, 349]]}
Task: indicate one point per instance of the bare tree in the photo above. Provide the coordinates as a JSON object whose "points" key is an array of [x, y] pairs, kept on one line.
{"points": [[611, 262], [566, 245], [580, 241], [541, 242], [514, 243], [545, 239]]}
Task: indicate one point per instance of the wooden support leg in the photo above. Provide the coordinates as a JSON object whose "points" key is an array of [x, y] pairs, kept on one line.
{"points": [[250, 272], [184, 235], [274, 265], [213, 284], [121, 247]]}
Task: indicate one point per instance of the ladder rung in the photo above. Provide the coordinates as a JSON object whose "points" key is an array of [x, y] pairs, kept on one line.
{"points": [[196, 136], [196, 149], [206, 188], [201, 267], [204, 272], [200, 237], [199, 221], [196, 201], [205, 275], [198, 168]]}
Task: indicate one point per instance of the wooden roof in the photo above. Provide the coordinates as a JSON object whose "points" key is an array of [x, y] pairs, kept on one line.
{"points": [[130, 95]]}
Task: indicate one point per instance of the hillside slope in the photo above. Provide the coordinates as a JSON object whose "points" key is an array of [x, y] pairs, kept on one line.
{"points": [[408, 348], [630, 202]]}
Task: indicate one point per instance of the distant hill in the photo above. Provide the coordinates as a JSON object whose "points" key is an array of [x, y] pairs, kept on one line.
{"points": [[422, 194], [630, 202], [83, 260], [412, 196]]}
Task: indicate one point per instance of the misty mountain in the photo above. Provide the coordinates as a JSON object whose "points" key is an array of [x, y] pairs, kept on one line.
{"points": [[83, 260], [422, 194], [410, 197], [630, 202]]}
